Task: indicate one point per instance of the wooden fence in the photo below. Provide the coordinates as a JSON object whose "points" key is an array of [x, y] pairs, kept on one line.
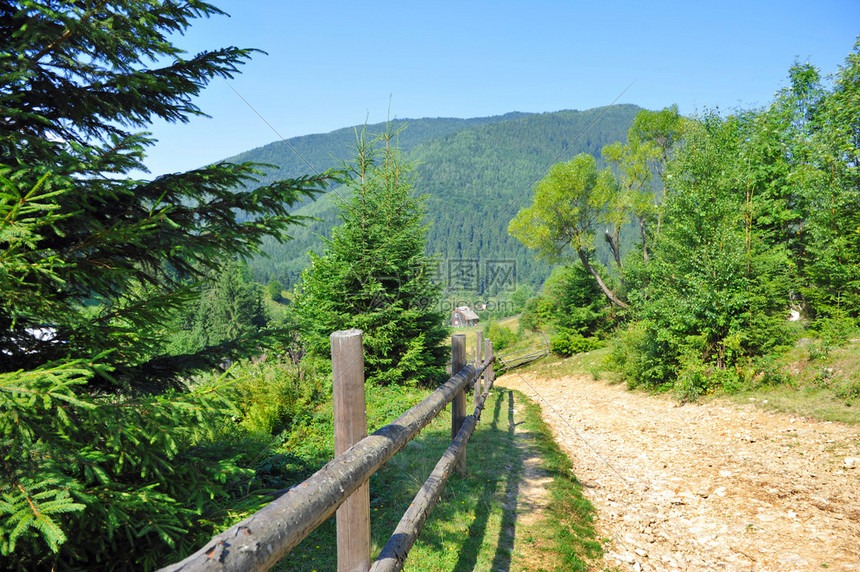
{"points": [[264, 538], [517, 358]]}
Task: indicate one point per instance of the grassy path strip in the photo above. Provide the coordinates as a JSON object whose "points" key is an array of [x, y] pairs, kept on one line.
{"points": [[518, 508]]}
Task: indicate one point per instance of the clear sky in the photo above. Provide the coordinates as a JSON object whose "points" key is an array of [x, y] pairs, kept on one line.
{"points": [[335, 64]]}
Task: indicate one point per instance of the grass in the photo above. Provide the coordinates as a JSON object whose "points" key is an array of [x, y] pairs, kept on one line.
{"points": [[591, 363], [475, 523], [512, 323], [809, 380], [275, 308], [822, 387], [565, 535], [825, 388]]}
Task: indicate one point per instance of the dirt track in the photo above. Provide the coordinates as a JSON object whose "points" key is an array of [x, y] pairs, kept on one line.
{"points": [[706, 487]]}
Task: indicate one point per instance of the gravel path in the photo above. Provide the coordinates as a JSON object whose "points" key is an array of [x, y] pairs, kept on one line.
{"points": [[714, 486]]}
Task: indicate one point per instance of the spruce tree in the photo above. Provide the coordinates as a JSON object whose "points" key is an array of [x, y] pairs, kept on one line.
{"points": [[99, 468], [374, 274], [95, 261]]}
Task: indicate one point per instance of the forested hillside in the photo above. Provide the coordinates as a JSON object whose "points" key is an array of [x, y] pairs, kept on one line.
{"points": [[476, 173], [318, 152]]}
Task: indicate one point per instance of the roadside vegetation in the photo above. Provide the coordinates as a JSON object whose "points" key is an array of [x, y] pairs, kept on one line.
{"points": [[740, 220], [801, 382]]}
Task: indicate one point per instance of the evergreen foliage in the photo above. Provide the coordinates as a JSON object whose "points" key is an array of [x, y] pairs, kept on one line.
{"points": [[229, 311], [107, 482], [114, 254], [373, 274], [101, 468]]}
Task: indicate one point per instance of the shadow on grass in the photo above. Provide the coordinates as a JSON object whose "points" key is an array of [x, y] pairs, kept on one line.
{"points": [[473, 525], [491, 455]]}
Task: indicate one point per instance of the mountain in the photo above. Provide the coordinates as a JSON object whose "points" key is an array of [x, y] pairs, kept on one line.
{"points": [[475, 173], [316, 153]]}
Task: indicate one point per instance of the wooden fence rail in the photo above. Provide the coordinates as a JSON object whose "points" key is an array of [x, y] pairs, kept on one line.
{"points": [[393, 555], [264, 538], [521, 357]]}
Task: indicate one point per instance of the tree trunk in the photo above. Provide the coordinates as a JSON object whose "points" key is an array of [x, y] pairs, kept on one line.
{"points": [[613, 246], [603, 287], [644, 239]]}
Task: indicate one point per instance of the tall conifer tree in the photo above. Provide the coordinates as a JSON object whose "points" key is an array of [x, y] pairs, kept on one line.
{"points": [[94, 472], [375, 276]]}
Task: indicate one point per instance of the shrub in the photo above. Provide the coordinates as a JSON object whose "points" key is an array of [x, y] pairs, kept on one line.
{"points": [[848, 390], [271, 394], [570, 343], [642, 357], [501, 336]]}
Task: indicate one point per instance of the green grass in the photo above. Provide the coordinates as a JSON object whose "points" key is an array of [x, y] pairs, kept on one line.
{"points": [[565, 535], [825, 388], [525, 340], [591, 363], [474, 524], [805, 401]]}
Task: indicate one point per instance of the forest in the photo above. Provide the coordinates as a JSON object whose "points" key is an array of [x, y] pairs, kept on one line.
{"points": [[475, 173], [161, 379]]}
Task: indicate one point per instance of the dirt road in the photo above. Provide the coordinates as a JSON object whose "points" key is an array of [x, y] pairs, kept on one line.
{"points": [[715, 486]]}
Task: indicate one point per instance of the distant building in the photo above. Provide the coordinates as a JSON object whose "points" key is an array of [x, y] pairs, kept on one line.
{"points": [[463, 316]]}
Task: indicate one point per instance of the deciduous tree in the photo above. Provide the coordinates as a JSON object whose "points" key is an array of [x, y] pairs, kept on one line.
{"points": [[567, 206]]}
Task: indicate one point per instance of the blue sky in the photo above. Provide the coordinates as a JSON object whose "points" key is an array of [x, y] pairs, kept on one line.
{"points": [[334, 64]]}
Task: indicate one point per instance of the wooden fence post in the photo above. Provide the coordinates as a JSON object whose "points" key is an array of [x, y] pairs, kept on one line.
{"points": [[350, 427], [458, 405], [479, 360], [489, 373]]}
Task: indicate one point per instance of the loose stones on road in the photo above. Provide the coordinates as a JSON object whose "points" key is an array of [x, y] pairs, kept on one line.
{"points": [[710, 486]]}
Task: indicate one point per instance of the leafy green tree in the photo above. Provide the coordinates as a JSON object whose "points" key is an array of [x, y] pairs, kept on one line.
{"points": [[374, 275], [662, 128], [716, 288], [275, 289], [99, 469], [567, 206], [832, 252], [760, 208], [640, 165]]}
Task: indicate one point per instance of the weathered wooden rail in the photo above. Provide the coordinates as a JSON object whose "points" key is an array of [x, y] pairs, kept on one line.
{"points": [[521, 357], [264, 538]]}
